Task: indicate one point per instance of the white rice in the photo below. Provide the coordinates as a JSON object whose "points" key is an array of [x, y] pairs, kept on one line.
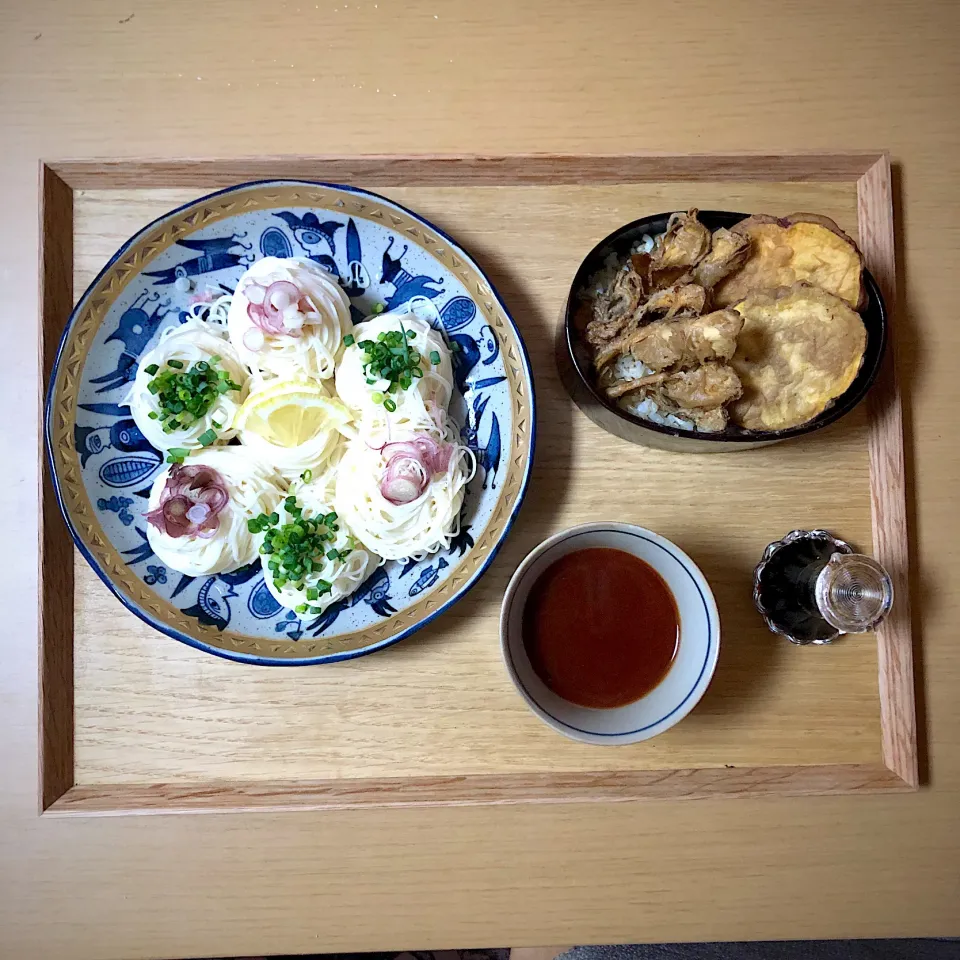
{"points": [[646, 409], [643, 245], [626, 367]]}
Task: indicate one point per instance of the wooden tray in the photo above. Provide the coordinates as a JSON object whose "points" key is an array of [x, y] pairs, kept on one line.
{"points": [[132, 721]]}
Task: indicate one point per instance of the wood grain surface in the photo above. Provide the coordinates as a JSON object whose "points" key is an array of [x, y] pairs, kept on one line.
{"points": [[222, 79], [149, 710], [888, 488]]}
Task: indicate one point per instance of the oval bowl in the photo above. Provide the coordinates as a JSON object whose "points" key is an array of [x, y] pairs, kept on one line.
{"points": [[103, 467], [686, 680], [575, 363]]}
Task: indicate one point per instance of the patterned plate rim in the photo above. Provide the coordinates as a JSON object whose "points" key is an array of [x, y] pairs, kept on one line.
{"points": [[211, 647]]}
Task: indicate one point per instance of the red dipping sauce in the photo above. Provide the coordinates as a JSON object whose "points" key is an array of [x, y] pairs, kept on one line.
{"points": [[601, 627]]}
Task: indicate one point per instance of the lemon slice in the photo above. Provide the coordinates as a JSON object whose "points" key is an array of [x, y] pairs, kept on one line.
{"points": [[291, 413]]}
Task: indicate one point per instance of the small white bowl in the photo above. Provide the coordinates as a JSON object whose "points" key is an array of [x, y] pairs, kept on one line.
{"points": [[690, 673]]}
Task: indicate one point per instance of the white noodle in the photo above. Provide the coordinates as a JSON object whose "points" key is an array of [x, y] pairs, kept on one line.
{"points": [[346, 474], [414, 529], [344, 576], [417, 406], [253, 488], [325, 324], [313, 454], [189, 343]]}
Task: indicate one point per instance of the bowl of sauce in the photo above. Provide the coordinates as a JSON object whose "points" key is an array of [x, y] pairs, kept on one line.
{"points": [[610, 633]]}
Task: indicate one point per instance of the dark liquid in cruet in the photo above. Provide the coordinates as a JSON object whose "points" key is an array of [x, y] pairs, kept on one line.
{"points": [[787, 588]]}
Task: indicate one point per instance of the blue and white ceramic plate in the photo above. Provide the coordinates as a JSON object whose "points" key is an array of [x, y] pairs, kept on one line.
{"points": [[103, 467]]}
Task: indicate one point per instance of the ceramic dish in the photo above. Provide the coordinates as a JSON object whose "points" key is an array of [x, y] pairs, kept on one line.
{"points": [[103, 466], [692, 668], [575, 363]]}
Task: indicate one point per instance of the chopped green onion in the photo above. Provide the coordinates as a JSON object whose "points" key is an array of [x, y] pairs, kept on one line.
{"points": [[349, 340], [207, 437], [299, 545], [435, 357], [151, 370], [177, 454], [188, 394], [378, 308], [389, 405], [307, 475], [376, 397]]}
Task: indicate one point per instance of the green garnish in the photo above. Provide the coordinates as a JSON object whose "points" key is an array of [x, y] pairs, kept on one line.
{"points": [[435, 357], [349, 340], [177, 454], [296, 546], [392, 357], [377, 308], [207, 437], [185, 396], [307, 475]]}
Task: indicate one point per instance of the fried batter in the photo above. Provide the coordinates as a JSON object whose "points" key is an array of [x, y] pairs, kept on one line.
{"points": [[728, 252], [802, 247], [797, 352], [687, 342], [656, 277], [620, 388], [706, 388], [683, 299], [684, 243], [614, 310], [789, 347], [698, 395], [686, 300]]}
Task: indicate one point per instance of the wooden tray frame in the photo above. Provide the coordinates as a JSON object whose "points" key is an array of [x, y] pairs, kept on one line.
{"points": [[58, 793]]}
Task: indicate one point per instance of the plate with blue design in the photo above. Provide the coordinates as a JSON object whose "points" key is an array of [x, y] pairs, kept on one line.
{"points": [[382, 253]]}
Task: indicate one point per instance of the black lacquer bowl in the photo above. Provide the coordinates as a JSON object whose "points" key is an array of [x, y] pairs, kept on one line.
{"points": [[574, 358]]}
